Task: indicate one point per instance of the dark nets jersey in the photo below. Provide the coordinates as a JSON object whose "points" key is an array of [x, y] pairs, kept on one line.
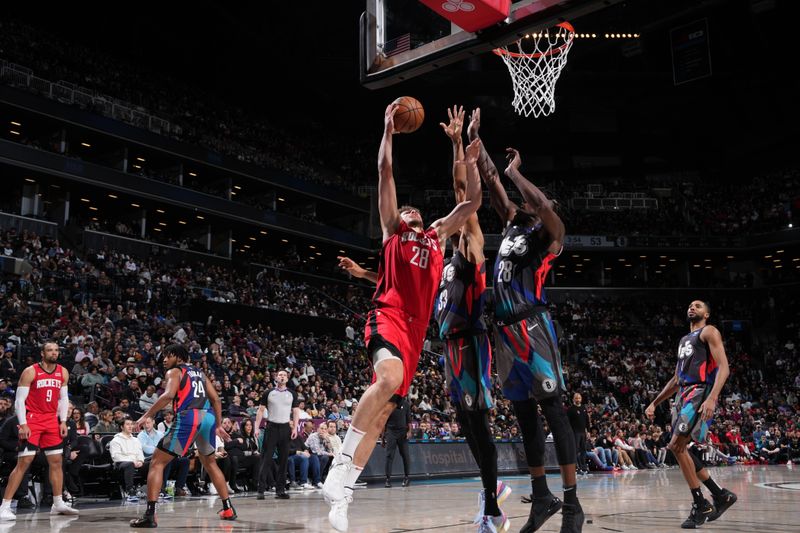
{"points": [[409, 271], [45, 391], [191, 391], [520, 270], [695, 363], [461, 299]]}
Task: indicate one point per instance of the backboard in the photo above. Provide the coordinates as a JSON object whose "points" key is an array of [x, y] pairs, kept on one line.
{"points": [[401, 39]]}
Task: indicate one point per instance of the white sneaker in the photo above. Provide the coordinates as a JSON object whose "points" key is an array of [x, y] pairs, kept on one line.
{"points": [[307, 486], [212, 489], [333, 489], [338, 513], [318, 485], [625, 467], [63, 508], [494, 524], [7, 514], [132, 498]]}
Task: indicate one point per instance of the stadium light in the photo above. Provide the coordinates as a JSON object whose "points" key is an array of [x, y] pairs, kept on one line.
{"points": [[284, 240], [114, 196], [135, 205], [14, 123], [13, 132], [263, 232], [160, 211], [85, 200], [182, 222], [29, 180], [200, 217], [87, 145], [140, 159]]}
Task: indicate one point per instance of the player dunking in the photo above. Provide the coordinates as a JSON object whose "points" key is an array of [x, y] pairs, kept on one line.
{"points": [[526, 348], [699, 377], [408, 275], [468, 355], [193, 396], [42, 404]]}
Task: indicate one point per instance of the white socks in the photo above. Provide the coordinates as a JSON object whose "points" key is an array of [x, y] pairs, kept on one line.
{"points": [[352, 477], [57, 500], [351, 441], [6, 504]]}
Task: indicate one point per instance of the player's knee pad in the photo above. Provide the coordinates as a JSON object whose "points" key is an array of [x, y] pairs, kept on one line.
{"points": [[564, 438], [532, 432]]}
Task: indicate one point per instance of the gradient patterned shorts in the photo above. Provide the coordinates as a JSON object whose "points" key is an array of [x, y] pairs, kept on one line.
{"points": [[191, 426]]}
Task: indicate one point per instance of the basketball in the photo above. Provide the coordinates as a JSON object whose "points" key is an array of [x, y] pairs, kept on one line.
{"points": [[409, 116]]}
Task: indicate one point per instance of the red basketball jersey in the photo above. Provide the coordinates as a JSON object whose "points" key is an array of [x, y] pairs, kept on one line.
{"points": [[45, 391], [409, 272]]}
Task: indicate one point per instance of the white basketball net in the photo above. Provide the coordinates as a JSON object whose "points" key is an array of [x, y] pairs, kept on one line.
{"points": [[534, 72]]}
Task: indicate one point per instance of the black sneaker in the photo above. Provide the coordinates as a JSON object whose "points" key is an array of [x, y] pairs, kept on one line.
{"points": [[406, 482], [698, 516], [147, 521], [281, 496], [541, 510], [25, 503], [572, 518], [260, 495], [721, 504]]}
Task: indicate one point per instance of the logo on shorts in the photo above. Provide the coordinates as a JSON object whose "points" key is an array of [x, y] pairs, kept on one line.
{"points": [[451, 6], [682, 427], [468, 400], [549, 385]]}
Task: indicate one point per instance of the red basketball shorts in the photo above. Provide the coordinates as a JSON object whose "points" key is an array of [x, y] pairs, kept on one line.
{"points": [[402, 335], [45, 433]]}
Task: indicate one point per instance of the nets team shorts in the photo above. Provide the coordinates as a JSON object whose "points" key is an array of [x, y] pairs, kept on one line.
{"points": [[686, 419], [402, 335], [190, 426], [467, 366], [528, 361]]}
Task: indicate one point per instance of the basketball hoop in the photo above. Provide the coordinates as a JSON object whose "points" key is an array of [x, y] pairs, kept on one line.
{"points": [[534, 73]]}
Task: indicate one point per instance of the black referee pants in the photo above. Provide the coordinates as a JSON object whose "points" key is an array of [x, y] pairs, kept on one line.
{"points": [[580, 445], [278, 436], [397, 439]]}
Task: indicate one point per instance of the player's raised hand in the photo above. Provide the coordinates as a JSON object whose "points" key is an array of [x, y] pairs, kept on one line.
{"points": [[650, 412], [474, 123], [388, 118], [221, 433], [473, 151], [514, 160], [456, 123], [355, 270]]}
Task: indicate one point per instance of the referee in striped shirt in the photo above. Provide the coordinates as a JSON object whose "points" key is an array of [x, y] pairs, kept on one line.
{"points": [[281, 405]]}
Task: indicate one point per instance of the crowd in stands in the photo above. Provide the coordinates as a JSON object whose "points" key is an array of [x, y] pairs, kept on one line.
{"points": [[195, 116], [112, 314], [696, 207]]}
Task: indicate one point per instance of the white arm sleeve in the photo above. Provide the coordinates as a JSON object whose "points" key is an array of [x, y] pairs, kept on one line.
{"points": [[63, 404], [19, 404]]}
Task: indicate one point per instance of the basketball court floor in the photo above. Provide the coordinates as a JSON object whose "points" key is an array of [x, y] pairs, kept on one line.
{"points": [[648, 501]]}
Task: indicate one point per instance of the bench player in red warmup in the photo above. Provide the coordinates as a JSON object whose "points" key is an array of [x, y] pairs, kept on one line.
{"points": [[408, 277], [42, 404]]}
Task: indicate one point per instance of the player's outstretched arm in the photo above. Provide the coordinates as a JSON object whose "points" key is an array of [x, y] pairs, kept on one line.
{"points": [[458, 217], [387, 193], [712, 336], [472, 229], [537, 201], [355, 270], [498, 198], [170, 390]]}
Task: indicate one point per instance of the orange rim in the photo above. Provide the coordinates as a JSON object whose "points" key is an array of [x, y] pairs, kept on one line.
{"points": [[566, 25]]}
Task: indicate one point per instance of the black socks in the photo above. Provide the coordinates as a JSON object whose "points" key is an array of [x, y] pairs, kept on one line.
{"points": [[540, 488], [697, 496], [571, 495], [711, 485]]}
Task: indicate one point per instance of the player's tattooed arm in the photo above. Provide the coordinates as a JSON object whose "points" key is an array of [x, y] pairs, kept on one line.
{"points": [[498, 198], [537, 202]]}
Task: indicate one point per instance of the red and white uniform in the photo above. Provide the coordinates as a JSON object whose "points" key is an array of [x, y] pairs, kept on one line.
{"points": [[408, 278], [41, 408]]}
